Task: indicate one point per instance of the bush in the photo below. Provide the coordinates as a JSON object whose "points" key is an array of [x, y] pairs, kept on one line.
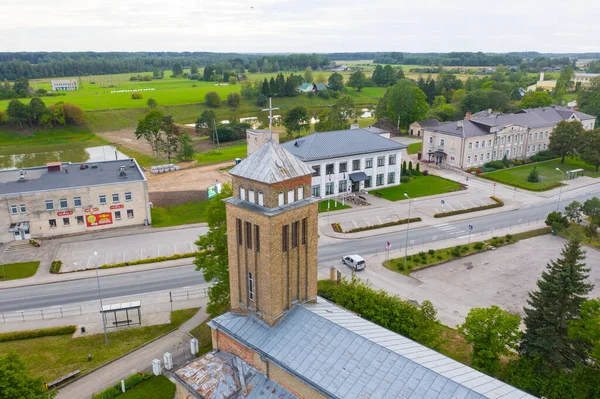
{"points": [[115, 390], [310, 94], [543, 156], [499, 203], [136, 96], [43, 332], [431, 251], [422, 254], [494, 165], [534, 176], [335, 94], [509, 237], [324, 94], [377, 226], [55, 266], [405, 179], [425, 173], [478, 246], [337, 227], [261, 100], [151, 103], [456, 251], [212, 99], [148, 260], [234, 99]]}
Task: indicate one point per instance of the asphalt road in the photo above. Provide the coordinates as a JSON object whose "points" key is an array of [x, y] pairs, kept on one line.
{"points": [[331, 251]]}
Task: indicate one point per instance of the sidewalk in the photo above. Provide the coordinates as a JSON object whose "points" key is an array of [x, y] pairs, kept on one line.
{"points": [[134, 362]]}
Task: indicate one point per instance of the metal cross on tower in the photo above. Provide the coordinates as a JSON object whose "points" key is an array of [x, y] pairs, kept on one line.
{"points": [[270, 109]]}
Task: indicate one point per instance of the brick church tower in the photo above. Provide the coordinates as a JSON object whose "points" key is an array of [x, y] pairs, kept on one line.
{"points": [[271, 234]]}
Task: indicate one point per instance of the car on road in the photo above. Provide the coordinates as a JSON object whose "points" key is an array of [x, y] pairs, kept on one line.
{"points": [[354, 261]]}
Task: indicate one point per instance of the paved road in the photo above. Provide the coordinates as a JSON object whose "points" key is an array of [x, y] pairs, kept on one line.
{"points": [[330, 251]]}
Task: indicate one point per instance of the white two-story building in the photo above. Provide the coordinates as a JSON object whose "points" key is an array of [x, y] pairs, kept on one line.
{"points": [[348, 160]]}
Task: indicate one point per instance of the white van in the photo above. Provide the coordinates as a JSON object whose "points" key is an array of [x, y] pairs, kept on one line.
{"points": [[354, 261]]}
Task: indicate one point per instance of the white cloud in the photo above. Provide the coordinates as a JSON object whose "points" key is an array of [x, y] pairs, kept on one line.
{"points": [[299, 26]]}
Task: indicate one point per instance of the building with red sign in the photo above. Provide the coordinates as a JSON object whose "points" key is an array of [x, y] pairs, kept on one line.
{"points": [[72, 198]]}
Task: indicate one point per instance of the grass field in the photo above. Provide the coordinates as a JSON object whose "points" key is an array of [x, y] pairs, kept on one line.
{"points": [[159, 387], [15, 271], [52, 357], [204, 336], [517, 176], [577, 231], [333, 206], [414, 148], [192, 212], [419, 187], [38, 137], [225, 154]]}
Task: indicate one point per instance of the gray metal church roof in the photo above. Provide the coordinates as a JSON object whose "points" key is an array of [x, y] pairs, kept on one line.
{"points": [[344, 356], [271, 163], [71, 175], [339, 143]]}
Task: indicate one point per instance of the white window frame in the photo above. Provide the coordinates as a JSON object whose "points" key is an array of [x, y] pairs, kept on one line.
{"points": [[117, 215], [132, 214], [75, 201], [14, 210], [441, 142], [113, 196], [468, 160], [242, 193], [251, 196], [281, 198], [260, 198], [300, 192], [291, 196], [22, 208], [60, 203], [102, 199], [470, 145], [51, 203], [430, 140], [250, 287], [128, 196]]}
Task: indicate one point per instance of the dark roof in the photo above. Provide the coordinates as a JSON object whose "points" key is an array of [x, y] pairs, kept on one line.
{"points": [[339, 143], [429, 123], [344, 356], [321, 86], [386, 124], [271, 163], [70, 176], [358, 176], [555, 114]]}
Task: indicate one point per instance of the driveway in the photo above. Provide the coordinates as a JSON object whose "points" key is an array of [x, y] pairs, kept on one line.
{"points": [[97, 252]]}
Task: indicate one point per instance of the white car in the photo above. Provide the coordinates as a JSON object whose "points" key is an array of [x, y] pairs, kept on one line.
{"points": [[354, 261]]}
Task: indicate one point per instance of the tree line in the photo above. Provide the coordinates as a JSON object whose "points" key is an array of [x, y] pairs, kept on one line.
{"points": [[37, 114]]}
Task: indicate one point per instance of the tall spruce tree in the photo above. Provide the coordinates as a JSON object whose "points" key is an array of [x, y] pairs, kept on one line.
{"points": [[557, 302]]}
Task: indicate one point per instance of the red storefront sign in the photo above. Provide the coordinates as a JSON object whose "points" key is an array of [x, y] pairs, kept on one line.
{"points": [[120, 206], [65, 213], [90, 210], [98, 219]]}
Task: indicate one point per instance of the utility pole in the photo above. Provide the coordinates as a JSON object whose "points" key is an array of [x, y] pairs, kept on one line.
{"points": [[216, 137], [407, 226]]}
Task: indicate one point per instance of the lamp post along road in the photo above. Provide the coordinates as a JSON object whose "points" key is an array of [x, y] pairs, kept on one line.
{"points": [[407, 226], [560, 192], [101, 307]]}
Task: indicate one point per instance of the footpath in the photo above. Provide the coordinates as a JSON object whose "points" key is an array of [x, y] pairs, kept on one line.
{"points": [[175, 342]]}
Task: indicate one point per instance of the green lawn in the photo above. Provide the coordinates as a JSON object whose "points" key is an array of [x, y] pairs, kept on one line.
{"points": [[53, 357], [517, 176], [16, 271], [333, 206], [192, 212], [419, 187], [414, 148], [204, 335], [159, 387], [225, 154], [577, 231]]}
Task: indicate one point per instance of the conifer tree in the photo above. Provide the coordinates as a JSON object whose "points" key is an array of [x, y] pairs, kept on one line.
{"points": [[561, 292]]}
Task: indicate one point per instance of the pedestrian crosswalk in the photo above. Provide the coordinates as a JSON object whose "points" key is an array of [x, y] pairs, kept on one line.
{"points": [[447, 229]]}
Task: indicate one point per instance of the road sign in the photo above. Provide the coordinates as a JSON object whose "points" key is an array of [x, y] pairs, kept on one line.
{"points": [[494, 184], [470, 227], [443, 202], [388, 245]]}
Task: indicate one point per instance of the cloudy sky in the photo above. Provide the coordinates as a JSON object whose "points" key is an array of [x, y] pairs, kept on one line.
{"points": [[300, 26]]}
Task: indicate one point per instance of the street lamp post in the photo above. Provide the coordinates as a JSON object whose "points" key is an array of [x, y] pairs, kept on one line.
{"points": [[407, 226], [101, 307], [560, 192]]}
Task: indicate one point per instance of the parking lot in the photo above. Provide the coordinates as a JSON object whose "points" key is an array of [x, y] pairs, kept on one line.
{"points": [[98, 252]]}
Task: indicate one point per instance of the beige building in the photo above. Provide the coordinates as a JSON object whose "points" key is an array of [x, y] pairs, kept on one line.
{"points": [[584, 79], [418, 128], [71, 198], [280, 340], [489, 136]]}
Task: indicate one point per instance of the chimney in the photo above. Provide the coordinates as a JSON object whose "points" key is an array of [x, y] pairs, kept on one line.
{"points": [[468, 115], [122, 170], [490, 110], [354, 126], [459, 124]]}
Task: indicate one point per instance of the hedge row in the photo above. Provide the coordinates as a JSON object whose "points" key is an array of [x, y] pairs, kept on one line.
{"points": [[516, 184], [44, 332], [115, 390], [498, 204], [379, 226], [149, 260], [55, 266]]}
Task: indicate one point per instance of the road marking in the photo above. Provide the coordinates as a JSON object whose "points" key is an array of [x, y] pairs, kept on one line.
{"points": [[189, 286], [456, 232], [463, 207], [354, 223], [440, 225], [482, 201], [463, 236], [472, 204], [368, 224], [447, 228], [380, 222]]}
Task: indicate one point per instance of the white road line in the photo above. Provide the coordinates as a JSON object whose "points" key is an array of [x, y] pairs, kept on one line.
{"points": [[447, 228], [472, 204], [482, 201], [440, 225], [354, 223], [463, 236], [380, 222], [368, 224]]}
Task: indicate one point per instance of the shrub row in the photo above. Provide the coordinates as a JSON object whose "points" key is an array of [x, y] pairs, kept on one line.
{"points": [[43, 332], [115, 390], [337, 227], [498, 204], [379, 226], [149, 260], [518, 185], [55, 266]]}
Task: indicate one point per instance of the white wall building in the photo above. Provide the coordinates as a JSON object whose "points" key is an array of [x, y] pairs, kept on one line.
{"points": [[65, 84], [348, 160]]}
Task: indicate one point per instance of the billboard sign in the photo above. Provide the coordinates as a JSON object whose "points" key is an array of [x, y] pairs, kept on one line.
{"points": [[98, 219], [214, 190]]}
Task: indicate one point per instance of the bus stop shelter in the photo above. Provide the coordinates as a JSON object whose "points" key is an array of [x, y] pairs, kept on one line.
{"points": [[122, 314]]}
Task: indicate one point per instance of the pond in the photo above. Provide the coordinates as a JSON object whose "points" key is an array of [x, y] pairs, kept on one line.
{"points": [[15, 158]]}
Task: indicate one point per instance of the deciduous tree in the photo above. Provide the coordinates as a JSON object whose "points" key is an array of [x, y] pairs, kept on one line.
{"points": [[308, 75], [493, 332], [406, 102], [589, 150], [172, 136], [149, 129], [151, 103], [573, 212], [18, 113], [357, 80], [296, 119], [186, 148], [177, 69], [336, 82], [536, 99], [194, 69], [561, 291], [591, 209], [15, 381], [212, 99], [205, 123], [564, 139], [234, 99], [212, 259]]}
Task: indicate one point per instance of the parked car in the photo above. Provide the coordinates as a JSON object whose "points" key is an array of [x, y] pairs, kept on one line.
{"points": [[354, 261]]}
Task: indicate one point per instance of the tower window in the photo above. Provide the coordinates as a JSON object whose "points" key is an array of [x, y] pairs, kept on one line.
{"points": [[295, 235], [239, 231], [250, 286], [249, 235], [257, 238], [242, 193], [251, 196], [300, 192], [304, 230], [290, 196], [260, 198], [281, 198], [284, 238]]}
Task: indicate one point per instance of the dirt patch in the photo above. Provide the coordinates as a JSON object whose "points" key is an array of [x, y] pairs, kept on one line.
{"points": [[126, 138]]}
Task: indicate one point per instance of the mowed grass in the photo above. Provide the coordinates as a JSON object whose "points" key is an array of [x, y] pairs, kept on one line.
{"points": [[418, 187], [53, 357], [333, 206], [414, 148], [176, 215], [577, 231], [517, 176], [222, 155], [204, 335], [40, 137], [159, 387], [15, 271]]}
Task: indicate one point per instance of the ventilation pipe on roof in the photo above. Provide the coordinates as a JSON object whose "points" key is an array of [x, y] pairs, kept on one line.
{"points": [[354, 126]]}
